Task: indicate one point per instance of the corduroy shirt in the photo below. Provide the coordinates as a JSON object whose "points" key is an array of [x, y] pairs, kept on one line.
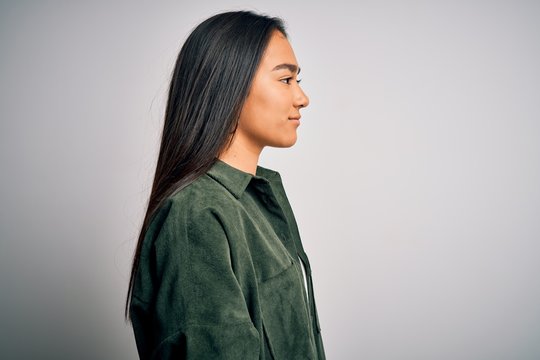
{"points": [[220, 274]]}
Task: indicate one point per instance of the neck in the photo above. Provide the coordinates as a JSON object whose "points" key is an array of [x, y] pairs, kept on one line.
{"points": [[241, 156]]}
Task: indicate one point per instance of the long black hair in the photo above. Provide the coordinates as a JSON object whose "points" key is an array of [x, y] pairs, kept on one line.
{"points": [[210, 82]]}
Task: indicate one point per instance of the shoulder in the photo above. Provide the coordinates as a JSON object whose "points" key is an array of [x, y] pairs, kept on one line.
{"points": [[192, 218], [200, 197], [196, 205], [185, 227]]}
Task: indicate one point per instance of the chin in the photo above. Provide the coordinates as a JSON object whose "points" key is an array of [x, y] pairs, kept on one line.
{"points": [[285, 143]]}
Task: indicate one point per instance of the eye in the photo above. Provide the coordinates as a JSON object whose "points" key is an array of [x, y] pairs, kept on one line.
{"points": [[287, 80]]}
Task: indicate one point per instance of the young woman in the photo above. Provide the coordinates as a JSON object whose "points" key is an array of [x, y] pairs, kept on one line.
{"points": [[220, 271]]}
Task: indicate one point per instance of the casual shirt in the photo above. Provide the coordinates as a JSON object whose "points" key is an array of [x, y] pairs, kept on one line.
{"points": [[221, 274]]}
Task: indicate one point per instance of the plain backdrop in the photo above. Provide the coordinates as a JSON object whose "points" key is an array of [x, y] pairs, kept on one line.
{"points": [[415, 178]]}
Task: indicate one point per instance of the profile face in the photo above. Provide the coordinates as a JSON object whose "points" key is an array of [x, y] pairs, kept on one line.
{"points": [[271, 113]]}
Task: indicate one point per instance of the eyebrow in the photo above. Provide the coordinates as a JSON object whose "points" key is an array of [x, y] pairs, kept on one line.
{"points": [[291, 67]]}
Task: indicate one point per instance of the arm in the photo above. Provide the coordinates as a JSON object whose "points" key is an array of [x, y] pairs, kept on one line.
{"points": [[199, 311]]}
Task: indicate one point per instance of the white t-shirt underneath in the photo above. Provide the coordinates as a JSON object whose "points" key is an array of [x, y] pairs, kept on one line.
{"points": [[304, 273]]}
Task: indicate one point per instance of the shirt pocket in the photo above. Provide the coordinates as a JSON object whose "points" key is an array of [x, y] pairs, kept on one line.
{"points": [[285, 315], [269, 255]]}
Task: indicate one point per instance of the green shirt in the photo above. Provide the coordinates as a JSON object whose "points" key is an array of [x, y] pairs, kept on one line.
{"points": [[220, 274]]}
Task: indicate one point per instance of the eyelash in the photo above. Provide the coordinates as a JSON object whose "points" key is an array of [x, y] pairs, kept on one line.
{"points": [[290, 78]]}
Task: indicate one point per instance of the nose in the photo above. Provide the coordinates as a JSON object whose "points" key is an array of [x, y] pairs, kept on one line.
{"points": [[301, 99]]}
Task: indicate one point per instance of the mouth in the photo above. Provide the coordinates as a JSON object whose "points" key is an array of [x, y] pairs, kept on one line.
{"points": [[295, 120]]}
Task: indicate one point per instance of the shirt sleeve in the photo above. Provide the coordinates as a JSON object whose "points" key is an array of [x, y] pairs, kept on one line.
{"points": [[196, 309]]}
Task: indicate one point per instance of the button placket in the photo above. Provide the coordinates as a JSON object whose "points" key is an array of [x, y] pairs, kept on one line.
{"points": [[270, 198], [279, 220], [315, 316]]}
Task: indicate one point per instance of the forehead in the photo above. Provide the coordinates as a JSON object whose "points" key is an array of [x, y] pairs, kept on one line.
{"points": [[278, 51]]}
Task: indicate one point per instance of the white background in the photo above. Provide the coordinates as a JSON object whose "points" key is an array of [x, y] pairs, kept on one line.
{"points": [[415, 179]]}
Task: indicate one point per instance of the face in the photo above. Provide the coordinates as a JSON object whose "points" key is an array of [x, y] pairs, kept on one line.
{"points": [[271, 113]]}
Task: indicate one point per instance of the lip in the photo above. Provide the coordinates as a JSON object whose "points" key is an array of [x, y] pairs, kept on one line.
{"points": [[295, 120]]}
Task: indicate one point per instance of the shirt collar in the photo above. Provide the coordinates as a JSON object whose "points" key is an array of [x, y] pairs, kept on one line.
{"points": [[235, 180]]}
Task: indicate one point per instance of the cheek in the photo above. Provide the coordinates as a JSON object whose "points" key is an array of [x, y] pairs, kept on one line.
{"points": [[269, 94], [266, 99], [267, 106]]}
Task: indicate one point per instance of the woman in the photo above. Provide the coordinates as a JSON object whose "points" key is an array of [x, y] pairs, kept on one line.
{"points": [[218, 270]]}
